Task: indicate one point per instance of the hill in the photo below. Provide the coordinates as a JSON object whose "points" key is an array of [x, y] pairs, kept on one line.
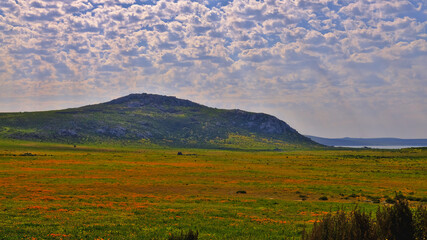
{"points": [[369, 141], [154, 120]]}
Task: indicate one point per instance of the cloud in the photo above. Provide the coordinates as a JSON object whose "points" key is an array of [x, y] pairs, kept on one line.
{"points": [[256, 55], [324, 54], [169, 58], [62, 68], [42, 16], [109, 68], [78, 6], [138, 62], [26, 51]]}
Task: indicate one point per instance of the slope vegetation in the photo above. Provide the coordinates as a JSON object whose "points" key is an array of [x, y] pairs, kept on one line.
{"points": [[154, 120]]}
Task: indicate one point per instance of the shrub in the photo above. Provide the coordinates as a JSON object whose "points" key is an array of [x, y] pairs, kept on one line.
{"points": [[356, 225], [27, 154], [412, 198], [191, 235], [420, 223], [323, 198], [374, 199], [303, 197], [397, 222], [399, 196]]}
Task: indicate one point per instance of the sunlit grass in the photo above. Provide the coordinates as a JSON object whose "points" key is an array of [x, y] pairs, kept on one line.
{"points": [[110, 192]]}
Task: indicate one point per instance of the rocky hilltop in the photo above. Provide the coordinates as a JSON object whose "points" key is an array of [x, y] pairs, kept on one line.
{"points": [[155, 119]]}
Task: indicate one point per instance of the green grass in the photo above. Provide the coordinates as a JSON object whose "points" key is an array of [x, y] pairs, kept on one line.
{"points": [[116, 192]]}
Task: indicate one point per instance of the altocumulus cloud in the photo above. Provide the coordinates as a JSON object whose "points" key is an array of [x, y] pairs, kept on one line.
{"points": [[327, 67]]}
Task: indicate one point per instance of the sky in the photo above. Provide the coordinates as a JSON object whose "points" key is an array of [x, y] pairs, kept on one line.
{"points": [[329, 68]]}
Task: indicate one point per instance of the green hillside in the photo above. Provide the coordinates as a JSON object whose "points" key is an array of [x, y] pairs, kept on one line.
{"points": [[149, 119]]}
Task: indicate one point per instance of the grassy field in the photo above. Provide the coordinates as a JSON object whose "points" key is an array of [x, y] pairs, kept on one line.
{"points": [[52, 191]]}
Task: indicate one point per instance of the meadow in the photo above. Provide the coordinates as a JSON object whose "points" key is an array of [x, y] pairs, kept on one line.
{"points": [[56, 191]]}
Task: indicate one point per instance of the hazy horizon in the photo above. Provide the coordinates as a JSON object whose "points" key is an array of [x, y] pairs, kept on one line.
{"points": [[327, 68], [307, 134]]}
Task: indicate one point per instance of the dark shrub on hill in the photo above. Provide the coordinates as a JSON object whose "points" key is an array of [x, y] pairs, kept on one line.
{"points": [[397, 222], [191, 235]]}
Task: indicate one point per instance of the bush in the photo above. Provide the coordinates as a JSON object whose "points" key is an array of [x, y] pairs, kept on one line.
{"points": [[355, 226], [399, 196], [420, 223], [374, 199], [191, 235], [412, 198], [323, 198], [397, 222], [303, 197]]}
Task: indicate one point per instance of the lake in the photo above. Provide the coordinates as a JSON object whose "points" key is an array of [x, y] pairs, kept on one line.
{"points": [[382, 147]]}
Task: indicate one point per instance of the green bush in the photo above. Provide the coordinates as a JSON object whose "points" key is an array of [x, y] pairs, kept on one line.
{"points": [[412, 198], [399, 196], [191, 235], [303, 197], [355, 225], [374, 199], [420, 223], [397, 222]]}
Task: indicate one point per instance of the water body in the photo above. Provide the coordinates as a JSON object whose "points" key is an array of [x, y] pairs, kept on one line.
{"points": [[382, 147]]}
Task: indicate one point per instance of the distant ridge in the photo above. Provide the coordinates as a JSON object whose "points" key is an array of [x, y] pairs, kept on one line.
{"points": [[369, 141], [154, 119]]}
